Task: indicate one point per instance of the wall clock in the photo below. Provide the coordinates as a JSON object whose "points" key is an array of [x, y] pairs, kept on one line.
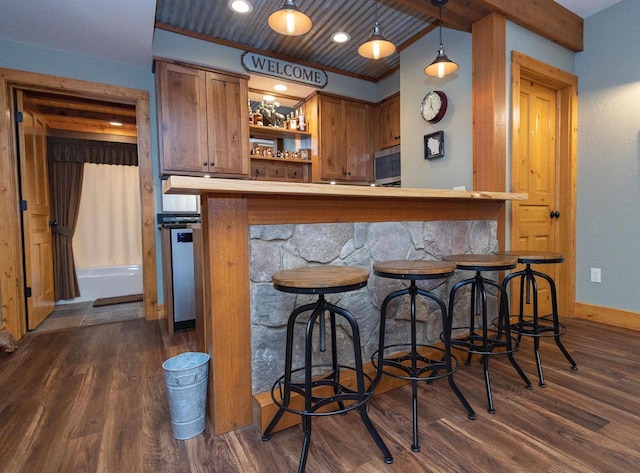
{"points": [[434, 106]]}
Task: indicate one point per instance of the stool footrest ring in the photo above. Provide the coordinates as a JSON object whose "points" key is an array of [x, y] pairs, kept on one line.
{"points": [[546, 328], [426, 368], [341, 393], [476, 344]]}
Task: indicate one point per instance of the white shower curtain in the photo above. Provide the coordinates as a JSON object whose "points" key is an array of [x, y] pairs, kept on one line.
{"points": [[108, 231]]}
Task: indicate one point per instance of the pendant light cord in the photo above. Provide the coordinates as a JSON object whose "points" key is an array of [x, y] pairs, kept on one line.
{"points": [[440, 6]]}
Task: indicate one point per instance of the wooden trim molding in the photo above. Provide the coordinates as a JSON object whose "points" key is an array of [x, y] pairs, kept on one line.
{"points": [[608, 315], [11, 276], [566, 86]]}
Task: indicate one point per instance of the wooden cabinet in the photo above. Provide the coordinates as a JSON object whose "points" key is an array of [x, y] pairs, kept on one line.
{"points": [[268, 169], [388, 122], [342, 138], [203, 121]]}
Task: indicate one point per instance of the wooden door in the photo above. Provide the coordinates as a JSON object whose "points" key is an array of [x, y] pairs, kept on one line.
{"points": [[358, 141], [533, 225], [331, 141], [227, 124], [182, 110], [34, 188]]}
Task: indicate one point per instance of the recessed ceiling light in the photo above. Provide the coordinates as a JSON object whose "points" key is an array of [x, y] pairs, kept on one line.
{"points": [[280, 87], [268, 98], [240, 6], [115, 123], [340, 37]]}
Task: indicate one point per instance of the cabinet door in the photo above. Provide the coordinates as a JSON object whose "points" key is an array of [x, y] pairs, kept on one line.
{"points": [[358, 141], [228, 124], [182, 111], [332, 139], [389, 122]]}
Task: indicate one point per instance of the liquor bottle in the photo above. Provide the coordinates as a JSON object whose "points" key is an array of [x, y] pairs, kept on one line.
{"points": [[250, 114], [302, 126], [293, 122]]}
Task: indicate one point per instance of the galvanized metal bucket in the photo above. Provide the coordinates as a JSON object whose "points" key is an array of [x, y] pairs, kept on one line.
{"points": [[186, 377]]}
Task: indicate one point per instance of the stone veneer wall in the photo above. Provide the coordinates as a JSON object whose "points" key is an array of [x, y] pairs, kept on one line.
{"points": [[277, 247]]}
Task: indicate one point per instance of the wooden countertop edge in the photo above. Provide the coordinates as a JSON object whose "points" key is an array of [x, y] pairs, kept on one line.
{"points": [[200, 185]]}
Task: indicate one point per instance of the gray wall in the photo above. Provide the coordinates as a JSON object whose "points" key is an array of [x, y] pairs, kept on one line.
{"points": [[609, 158], [456, 167]]}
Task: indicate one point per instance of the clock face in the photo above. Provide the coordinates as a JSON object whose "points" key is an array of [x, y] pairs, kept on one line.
{"points": [[434, 106]]}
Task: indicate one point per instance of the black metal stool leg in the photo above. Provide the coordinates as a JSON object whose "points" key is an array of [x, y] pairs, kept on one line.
{"points": [[362, 394], [481, 295], [503, 318], [306, 428], [288, 361], [556, 322], [446, 330]]}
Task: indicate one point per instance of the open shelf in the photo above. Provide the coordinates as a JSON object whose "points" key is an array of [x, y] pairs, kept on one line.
{"points": [[273, 132]]}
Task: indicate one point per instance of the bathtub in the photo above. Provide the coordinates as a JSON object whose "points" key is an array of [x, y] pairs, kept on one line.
{"points": [[98, 283]]}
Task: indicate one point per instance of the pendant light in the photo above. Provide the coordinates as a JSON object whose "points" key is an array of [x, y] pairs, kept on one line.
{"points": [[289, 20], [378, 46], [442, 65]]}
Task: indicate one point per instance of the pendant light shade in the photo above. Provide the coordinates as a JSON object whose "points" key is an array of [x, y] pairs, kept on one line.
{"points": [[289, 20], [441, 65], [378, 46]]}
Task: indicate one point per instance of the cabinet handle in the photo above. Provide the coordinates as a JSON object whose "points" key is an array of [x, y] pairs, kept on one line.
{"points": [[553, 214], [211, 163], [396, 137], [257, 173], [205, 164]]}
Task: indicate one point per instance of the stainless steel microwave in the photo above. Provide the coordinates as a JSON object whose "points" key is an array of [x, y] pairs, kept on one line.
{"points": [[386, 166]]}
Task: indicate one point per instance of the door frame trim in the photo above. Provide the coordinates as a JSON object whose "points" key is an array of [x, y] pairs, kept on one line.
{"points": [[11, 253], [566, 86]]}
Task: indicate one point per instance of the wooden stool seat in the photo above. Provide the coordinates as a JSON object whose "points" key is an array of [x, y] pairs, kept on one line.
{"points": [[534, 257], [320, 279], [492, 262], [414, 269]]}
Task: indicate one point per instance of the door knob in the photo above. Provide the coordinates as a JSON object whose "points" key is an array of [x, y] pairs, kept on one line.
{"points": [[553, 214]]}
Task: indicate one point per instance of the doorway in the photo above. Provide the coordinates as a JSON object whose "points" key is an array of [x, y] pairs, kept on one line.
{"points": [[543, 164], [12, 290]]}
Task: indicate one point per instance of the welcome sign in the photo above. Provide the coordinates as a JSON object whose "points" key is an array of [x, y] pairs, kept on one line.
{"points": [[269, 66]]}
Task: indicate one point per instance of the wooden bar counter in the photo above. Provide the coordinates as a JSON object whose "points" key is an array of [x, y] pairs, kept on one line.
{"points": [[229, 207]]}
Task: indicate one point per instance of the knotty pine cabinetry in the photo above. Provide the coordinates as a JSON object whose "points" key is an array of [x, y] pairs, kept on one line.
{"points": [[203, 121], [388, 122], [341, 134]]}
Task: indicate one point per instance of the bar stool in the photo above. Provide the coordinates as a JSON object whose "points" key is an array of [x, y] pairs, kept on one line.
{"points": [[323, 391], [534, 325], [412, 365], [488, 340]]}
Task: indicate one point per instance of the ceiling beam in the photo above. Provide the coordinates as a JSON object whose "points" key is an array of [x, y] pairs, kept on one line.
{"points": [[544, 17]]}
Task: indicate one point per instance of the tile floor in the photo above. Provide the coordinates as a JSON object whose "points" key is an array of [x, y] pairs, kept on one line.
{"points": [[83, 313]]}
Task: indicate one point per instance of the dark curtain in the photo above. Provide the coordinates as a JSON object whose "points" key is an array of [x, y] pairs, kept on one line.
{"points": [[66, 158], [65, 187], [90, 151]]}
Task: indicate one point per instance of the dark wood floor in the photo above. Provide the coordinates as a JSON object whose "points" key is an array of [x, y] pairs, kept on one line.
{"points": [[92, 399]]}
